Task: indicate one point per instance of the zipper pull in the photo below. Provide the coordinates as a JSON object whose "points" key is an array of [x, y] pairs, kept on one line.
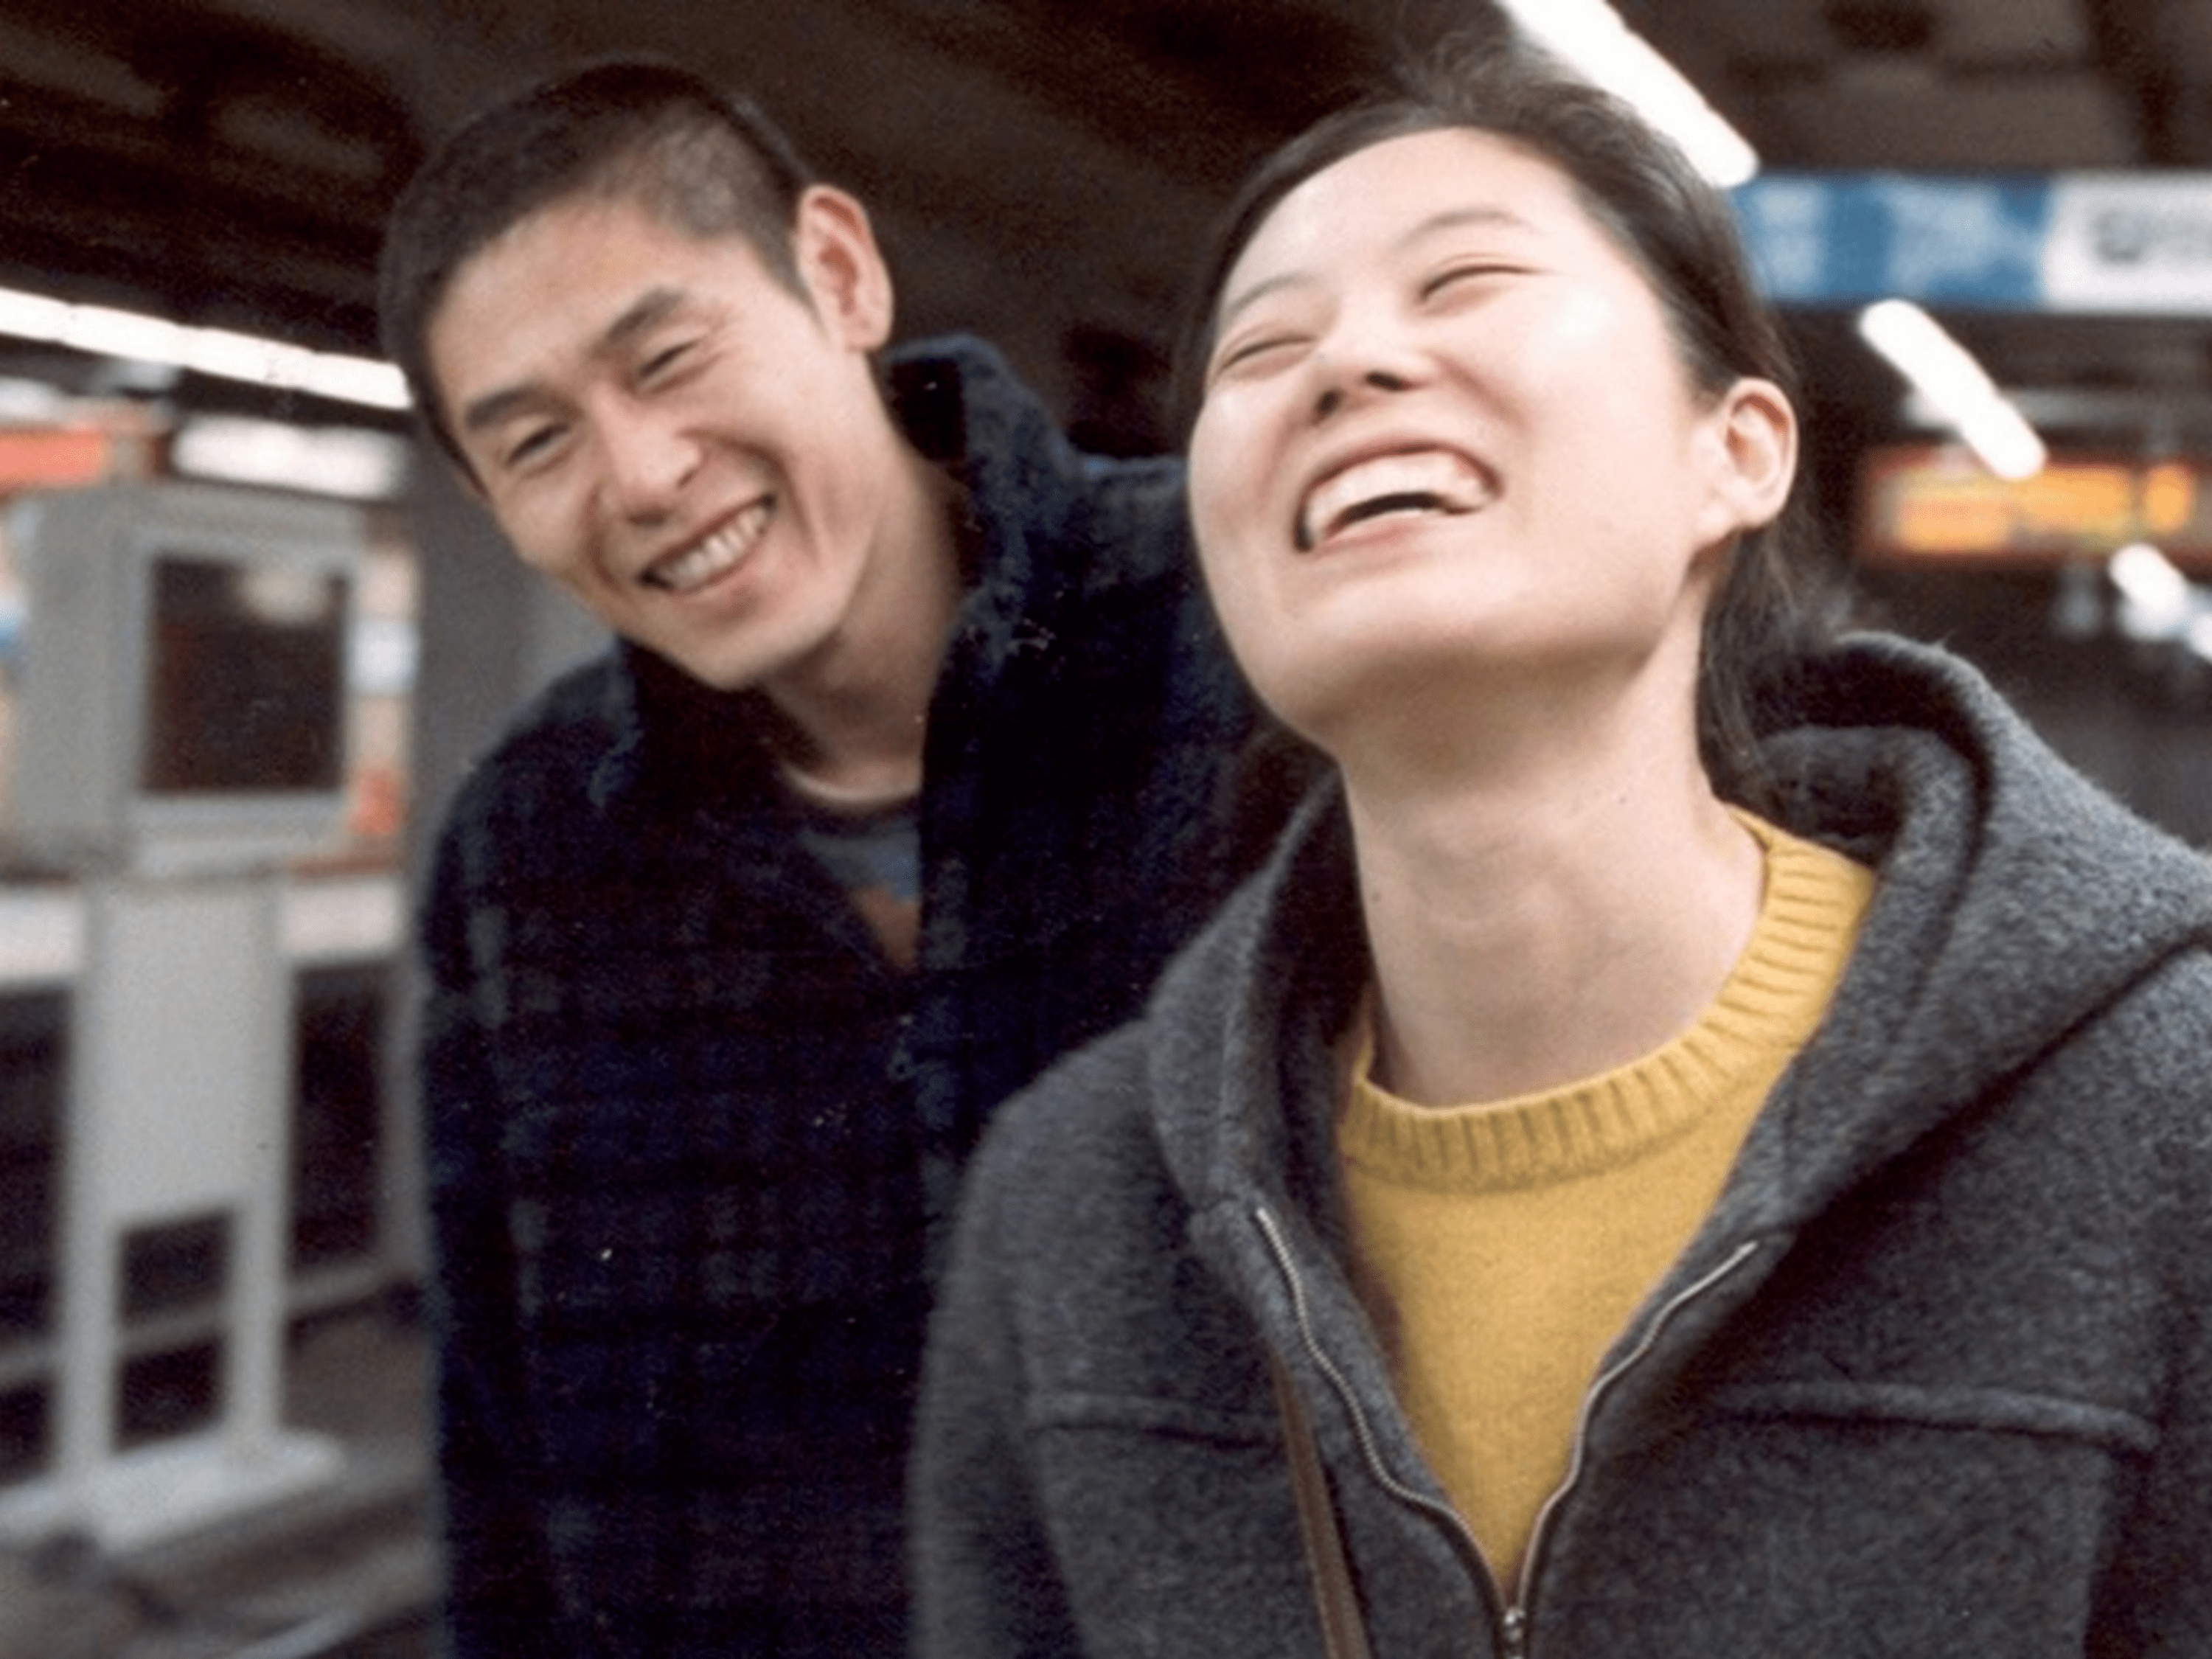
{"points": [[1516, 1631]]}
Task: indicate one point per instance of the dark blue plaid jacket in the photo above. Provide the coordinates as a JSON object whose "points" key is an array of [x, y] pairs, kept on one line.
{"points": [[690, 1136]]}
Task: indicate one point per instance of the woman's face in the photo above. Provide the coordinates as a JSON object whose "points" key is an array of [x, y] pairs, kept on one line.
{"points": [[1446, 432]]}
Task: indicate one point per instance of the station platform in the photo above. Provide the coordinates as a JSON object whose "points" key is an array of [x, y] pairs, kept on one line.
{"points": [[350, 1572]]}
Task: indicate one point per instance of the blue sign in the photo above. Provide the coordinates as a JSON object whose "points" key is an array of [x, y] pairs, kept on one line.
{"points": [[2116, 243]]}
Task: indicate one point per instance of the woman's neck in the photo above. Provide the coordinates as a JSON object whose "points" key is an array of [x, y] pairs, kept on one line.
{"points": [[1528, 936]]}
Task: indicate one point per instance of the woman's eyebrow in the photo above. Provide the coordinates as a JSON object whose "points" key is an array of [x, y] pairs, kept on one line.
{"points": [[1461, 218], [1258, 291]]}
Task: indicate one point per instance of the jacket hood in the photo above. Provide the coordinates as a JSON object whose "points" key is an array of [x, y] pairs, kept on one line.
{"points": [[2015, 901]]}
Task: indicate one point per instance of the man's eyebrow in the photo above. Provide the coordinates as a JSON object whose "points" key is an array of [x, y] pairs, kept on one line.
{"points": [[1450, 219], [645, 313], [480, 413], [641, 316]]}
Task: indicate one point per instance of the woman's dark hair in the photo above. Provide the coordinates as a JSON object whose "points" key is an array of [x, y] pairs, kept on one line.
{"points": [[1775, 600], [696, 158]]}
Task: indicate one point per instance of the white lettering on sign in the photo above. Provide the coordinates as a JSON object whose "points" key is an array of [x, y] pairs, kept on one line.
{"points": [[2130, 243]]}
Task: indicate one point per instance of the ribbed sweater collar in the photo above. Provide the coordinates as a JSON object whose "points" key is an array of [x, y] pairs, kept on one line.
{"points": [[1764, 1010]]}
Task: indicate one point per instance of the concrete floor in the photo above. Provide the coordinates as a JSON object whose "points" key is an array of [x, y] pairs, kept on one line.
{"points": [[348, 1573]]}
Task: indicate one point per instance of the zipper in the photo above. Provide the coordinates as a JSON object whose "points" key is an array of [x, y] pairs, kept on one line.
{"points": [[1450, 1518], [1517, 1615], [1513, 1618]]}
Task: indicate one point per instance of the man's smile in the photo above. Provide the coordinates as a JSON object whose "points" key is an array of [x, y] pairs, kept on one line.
{"points": [[690, 568]]}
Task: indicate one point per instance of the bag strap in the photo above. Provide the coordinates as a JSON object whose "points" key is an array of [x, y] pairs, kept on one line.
{"points": [[1343, 1635]]}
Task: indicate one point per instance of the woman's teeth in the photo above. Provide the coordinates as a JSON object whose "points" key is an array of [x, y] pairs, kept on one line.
{"points": [[1430, 482]]}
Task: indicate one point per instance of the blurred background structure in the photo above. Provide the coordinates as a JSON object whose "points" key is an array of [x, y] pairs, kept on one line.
{"points": [[190, 200]]}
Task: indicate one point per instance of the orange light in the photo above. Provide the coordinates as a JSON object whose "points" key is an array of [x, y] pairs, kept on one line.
{"points": [[2169, 498], [1931, 503], [39, 456]]}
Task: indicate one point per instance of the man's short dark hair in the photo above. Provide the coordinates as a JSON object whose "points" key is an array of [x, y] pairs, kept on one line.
{"points": [[699, 159]]}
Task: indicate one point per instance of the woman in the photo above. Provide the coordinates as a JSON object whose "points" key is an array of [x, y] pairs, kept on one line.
{"points": [[1706, 1129]]}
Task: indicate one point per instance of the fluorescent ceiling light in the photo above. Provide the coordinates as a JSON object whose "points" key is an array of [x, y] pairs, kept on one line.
{"points": [[2157, 602], [344, 461], [2199, 636], [1958, 389], [1590, 37], [108, 332], [2001, 436]]}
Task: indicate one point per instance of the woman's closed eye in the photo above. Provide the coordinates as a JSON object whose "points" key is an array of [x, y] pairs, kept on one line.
{"points": [[1252, 352], [1465, 276]]}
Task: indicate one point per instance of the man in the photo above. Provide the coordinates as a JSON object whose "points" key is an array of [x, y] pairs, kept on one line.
{"points": [[899, 780]]}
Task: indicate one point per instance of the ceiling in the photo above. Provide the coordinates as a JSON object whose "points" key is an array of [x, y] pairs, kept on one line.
{"points": [[1042, 170]]}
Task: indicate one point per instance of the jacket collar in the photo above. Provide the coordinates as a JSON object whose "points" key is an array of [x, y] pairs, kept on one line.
{"points": [[2015, 901], [961, 407]]}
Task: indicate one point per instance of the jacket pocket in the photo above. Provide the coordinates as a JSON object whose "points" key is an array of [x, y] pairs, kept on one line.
{"points": [[1995, 1410]]}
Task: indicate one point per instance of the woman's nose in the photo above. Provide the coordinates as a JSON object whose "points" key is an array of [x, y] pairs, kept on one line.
{"points": [[1364, 356], [1337, 392]]}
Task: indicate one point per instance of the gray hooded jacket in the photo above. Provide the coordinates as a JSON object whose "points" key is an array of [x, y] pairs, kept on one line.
{"points": [[1934, 1378]]}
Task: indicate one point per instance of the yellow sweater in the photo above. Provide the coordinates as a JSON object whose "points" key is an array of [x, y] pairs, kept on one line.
{"points": [[1501, 1248]]}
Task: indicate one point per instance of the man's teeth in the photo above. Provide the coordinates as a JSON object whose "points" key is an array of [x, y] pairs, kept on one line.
{"points": [[698, 565], [1431, 481]]}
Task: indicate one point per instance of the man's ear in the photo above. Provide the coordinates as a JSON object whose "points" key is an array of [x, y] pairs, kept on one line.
{"points": [[1751, 448], [843, 271]]}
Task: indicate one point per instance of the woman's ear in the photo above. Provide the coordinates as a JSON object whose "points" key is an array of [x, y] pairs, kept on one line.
{"points": [[841, 268], [1752, 450]]}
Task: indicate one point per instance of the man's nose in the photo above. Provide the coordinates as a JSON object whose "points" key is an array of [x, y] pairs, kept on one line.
{"points": [[647, 462]]}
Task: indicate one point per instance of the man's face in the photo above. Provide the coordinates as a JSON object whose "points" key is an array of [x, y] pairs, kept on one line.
{"points": [[689, 446]]}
